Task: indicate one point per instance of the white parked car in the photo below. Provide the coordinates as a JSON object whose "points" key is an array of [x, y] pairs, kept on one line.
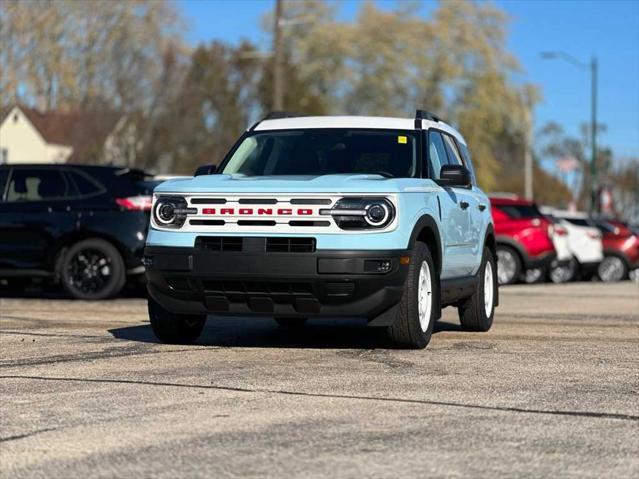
{"points": [[584, 242], [559, 236]]}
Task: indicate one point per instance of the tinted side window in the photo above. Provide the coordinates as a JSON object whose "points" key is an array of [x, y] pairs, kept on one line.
{"points": [[84, 185], [463, 149], [36, 185], [437, 156], [453, 155], [521, 211], [4, 174], [578, 221]]}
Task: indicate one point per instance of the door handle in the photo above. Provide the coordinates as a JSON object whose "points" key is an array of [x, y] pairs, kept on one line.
{"points": [[464, 204], [481, 206]]}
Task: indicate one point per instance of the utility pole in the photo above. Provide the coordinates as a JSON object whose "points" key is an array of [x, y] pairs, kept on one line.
{"points": [[528, 157], [593, 118], [278, 87], [593, 136]]}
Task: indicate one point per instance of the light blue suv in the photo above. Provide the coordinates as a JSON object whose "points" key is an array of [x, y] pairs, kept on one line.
{"points": [[341, 216]]}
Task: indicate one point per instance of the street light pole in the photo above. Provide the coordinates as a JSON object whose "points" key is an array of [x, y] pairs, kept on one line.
{"points": [[278, 100], [528, 159], [593, 117], [593, 136]]}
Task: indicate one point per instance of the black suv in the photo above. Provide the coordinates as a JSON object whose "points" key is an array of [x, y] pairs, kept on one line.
{"points": [[82, 226]]}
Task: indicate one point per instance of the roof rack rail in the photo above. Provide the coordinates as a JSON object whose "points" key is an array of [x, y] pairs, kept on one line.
{"points": [[426, 115], [275, 115]]}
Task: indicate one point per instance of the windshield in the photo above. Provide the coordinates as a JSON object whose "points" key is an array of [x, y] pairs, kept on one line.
{"points": [[325, 152]]}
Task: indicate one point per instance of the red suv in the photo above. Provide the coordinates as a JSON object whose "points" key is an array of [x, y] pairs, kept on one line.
{"points": [[621, 251], [523, 238]]}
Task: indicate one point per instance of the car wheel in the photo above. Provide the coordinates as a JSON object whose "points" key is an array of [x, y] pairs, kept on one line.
{"points": [[417, 310], [92, 269], [563, 273], [174, 328], [477, 312], [291, 323], [534, 275], [612, 268], [508, 265]]}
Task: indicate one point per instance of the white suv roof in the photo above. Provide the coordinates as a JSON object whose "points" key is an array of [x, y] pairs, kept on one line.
{"points": [[548, 210], [570, 214], [368, 122]]}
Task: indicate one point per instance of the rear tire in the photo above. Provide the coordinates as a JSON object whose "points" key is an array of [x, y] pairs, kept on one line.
{"points": [[508, 265], [92, 269], [417, 310], [477, 312], [174, 328], [564, 273]]}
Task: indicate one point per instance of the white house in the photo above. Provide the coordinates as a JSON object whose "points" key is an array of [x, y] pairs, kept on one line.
{"points": [[30, 136]]}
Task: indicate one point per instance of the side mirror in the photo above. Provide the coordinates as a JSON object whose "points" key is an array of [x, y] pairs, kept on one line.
{"points": [[205, 170], [454, 175]]}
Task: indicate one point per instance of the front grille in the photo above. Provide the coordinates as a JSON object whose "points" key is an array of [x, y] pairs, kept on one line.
{"points": [[340, 289], [256, 223], [290, 245], [268, 288], [206, 222], [255, 245], [208, 201], [309, 223], [219, 243]]}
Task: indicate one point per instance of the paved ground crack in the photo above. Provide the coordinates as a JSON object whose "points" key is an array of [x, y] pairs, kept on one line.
{"points": [[590, 414], [23, 436]]}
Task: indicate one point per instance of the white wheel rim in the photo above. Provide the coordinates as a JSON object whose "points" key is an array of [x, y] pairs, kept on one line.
{"points": [[425, 296], [506, 266], [489, 292]]}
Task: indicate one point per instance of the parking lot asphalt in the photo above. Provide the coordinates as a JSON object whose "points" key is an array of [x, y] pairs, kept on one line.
{"points": [[551, 390]]}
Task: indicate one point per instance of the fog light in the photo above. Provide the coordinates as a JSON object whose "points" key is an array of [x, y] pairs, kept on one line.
{"points": [[384, 266]]}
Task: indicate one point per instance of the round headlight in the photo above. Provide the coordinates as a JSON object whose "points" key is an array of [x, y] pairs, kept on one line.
{"points": [[377, 214], [170, 211], [354, 213], [166, 212]]}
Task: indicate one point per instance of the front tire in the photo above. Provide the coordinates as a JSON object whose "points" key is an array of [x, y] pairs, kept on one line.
{"points": [[535, 276], [508, 265], [417, 310], [613, 268], [174, 328], [92, 269], [477, 312]]}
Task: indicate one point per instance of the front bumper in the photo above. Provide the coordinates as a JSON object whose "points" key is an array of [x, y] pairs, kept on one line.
{"points": [[325, 283]]}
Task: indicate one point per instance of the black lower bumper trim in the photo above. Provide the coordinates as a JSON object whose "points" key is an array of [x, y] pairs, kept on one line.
{"points": [[322, 283]]}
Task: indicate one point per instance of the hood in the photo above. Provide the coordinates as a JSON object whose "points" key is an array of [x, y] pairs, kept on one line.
{"points": [[345, 183]]}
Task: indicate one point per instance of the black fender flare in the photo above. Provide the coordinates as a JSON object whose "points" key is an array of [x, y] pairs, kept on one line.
{"points": [[427, 222], [490, 233]]}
